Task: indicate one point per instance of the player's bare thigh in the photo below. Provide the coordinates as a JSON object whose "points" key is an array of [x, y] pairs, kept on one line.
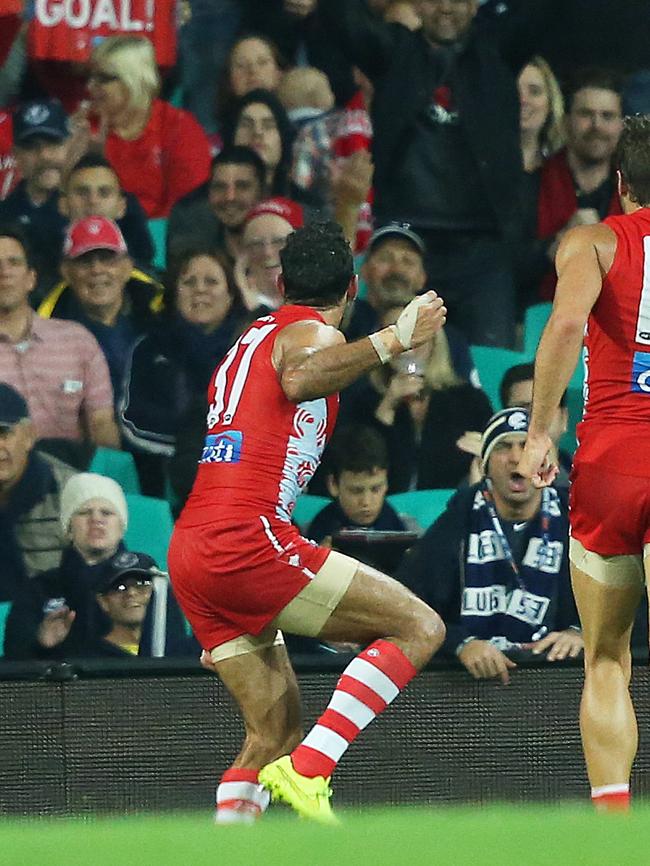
{"points": [[607, 592], [350, 601]]}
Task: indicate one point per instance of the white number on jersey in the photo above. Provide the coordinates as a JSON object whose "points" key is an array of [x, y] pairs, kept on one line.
{"points": [[643, 320], [229, 384]]}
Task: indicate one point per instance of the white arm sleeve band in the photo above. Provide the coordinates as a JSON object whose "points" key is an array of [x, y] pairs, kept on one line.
{"points": [[379, 347]]}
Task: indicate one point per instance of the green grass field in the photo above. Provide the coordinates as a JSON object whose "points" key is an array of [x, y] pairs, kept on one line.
{"points": [[502, 835]]}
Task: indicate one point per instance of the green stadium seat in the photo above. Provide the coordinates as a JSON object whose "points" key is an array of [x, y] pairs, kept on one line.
{"points": [[534, 323], [150, 526], [5, 607], [118, 465], [307, 507], [491, 364], [424, 506], [158, 231]]}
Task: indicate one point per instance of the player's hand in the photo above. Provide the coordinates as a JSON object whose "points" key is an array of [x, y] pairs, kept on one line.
{"points": [[420, 320], [561, 645], [55, 627], [206, 662], [536, 463], [484, 661]]}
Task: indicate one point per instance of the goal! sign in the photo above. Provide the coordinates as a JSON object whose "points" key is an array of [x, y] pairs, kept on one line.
{"points": [[68, 29]]}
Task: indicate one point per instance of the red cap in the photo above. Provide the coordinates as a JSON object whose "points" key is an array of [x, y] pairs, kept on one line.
{"points": [[93, 233], [286, 208]]}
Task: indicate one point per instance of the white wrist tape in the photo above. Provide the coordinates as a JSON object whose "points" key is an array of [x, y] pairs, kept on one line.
{"points": [[379, 346], [405, 325]]}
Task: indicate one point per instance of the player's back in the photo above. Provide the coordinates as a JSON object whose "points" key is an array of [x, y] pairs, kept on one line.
{"points": [[617, 354], [261, 450]]}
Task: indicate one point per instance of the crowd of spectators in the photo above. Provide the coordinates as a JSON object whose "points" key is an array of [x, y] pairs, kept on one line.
{"points": [[147, 187]]}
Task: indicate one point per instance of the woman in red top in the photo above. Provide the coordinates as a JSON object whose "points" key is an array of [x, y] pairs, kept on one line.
{"points": [[159, 152]]}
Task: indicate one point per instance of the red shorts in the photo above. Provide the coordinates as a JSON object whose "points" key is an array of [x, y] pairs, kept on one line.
{"points": [[232, 578], [609, 512]]}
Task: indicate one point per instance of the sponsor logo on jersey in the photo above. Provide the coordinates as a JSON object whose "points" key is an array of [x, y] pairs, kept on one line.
{"points": [[223, 447], [641, 372]]}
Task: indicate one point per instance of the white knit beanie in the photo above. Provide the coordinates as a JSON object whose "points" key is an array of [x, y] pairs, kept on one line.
{"points": [[88, 485]]}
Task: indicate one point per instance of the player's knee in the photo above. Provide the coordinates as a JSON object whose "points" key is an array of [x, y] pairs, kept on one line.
{"points": [[431, 630], [606, 657]]}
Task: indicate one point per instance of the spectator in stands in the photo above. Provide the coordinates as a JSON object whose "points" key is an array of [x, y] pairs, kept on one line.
{"points": [[30, 489], [56, 614], [495, 563], [57, 366], [102, 291], [402, 12], [160, 152], [578, 185], [296, 27], [330, 150], [92, 188], [421, 404], [357, 479], [259, 121], [41, 143], [516, 389], [214, 214], [267, 227], [170, 367], [253, 63], [541, 126], [446, 143], [394, 273]]}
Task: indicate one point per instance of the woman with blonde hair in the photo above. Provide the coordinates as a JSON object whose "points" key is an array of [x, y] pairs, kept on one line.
{"points": [[422, 403], [542, 113], [159, 152]]}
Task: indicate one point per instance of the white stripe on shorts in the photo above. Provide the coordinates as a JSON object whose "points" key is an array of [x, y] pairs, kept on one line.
{"points": [[352, 708], [369, 675], [325, 740]]}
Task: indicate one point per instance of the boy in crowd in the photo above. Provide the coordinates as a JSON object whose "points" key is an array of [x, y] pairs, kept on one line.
{"points": [[358, 481]]}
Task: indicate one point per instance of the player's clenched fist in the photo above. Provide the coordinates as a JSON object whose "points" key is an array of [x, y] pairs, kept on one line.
{"points": [[420, 320]]}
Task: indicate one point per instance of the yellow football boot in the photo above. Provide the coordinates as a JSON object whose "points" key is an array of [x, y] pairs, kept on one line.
{"points": [[309, 797]]}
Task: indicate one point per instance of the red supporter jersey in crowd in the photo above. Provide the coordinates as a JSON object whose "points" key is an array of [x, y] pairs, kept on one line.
{"points": [[615, 428], [8, 168], [261, 450], [169, 159]]}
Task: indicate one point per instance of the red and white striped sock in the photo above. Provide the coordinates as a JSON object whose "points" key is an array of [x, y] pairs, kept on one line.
{"points": [[369, 683], [240, 797], [611, 798]]}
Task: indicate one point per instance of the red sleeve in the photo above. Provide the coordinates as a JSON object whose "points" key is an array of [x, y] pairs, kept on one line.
{"points": [[186, 157]]}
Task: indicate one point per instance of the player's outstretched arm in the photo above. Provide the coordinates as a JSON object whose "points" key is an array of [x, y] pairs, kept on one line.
{"points": [[581, 262], [313, 359]]}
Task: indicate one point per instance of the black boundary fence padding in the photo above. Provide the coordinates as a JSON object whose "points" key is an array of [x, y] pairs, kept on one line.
{"points": [[143, 735]]}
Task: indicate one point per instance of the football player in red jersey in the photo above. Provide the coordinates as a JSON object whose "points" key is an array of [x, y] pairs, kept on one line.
{"points": [[242, 572], [604, 294]]}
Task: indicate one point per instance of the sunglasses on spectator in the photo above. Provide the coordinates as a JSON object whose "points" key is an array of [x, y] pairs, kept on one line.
{"points": [[103, 77], [140, 583]]}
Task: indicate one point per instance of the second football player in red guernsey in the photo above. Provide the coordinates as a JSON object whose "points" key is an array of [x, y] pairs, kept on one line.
{"points": [[241, 570], [604, 284]]}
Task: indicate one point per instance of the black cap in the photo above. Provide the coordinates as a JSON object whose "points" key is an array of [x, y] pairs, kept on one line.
{"points": [[13, 407], [40, 117], [125, 563], [397, 230]]}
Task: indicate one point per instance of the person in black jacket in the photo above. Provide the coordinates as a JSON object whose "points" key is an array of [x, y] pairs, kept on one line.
{"points": [[495, 563], [446, 145]]}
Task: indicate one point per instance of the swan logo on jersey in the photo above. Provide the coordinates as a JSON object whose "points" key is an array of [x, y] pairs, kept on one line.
{"points": [[222, 447], [641, 372]]}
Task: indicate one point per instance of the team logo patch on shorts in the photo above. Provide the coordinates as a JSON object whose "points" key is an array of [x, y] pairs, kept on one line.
{"points": [[641, 372], [223, 447]]}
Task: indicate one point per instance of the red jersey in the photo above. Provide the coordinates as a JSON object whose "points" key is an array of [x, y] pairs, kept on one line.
{"points": [[170, 158], [616, 423], [261, 450]]}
